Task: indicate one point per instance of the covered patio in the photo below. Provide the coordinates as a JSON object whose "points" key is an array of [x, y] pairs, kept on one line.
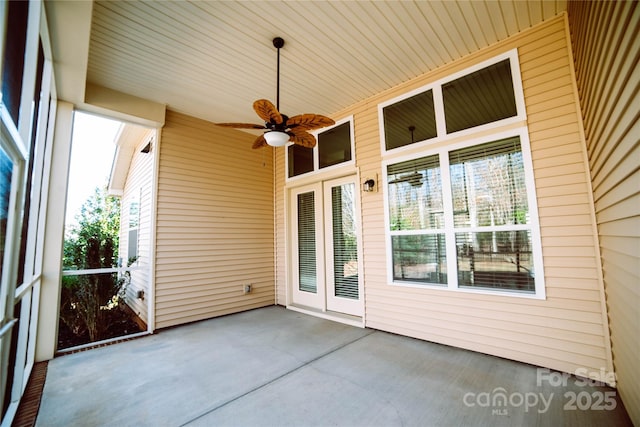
{"points": [[273, 366]]}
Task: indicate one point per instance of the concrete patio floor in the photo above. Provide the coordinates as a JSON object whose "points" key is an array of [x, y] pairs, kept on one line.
{"points": [[275, 367]]}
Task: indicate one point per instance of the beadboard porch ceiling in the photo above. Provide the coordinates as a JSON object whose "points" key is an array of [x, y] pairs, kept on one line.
{"points": [[212, 59]]}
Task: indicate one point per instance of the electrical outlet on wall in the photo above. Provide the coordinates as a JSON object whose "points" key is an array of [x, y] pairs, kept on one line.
{"points": [[246, 289]]}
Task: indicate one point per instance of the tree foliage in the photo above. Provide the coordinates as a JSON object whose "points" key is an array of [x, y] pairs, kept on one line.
{"points": [[91, 243]]}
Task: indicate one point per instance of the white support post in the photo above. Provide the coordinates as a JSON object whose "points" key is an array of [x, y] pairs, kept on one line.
{"points": [[54, 234]]}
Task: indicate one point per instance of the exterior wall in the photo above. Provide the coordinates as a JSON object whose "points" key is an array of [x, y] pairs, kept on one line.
{"points": [[214, 222], [138, 187], [567, 330], [606, 61]]}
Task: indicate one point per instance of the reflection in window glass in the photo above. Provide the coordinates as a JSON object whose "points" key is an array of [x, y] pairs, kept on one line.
{"points": [[6, 172], [478, 98], [334, 145], [415, 194], [300, 160], [419, 258], [415, 204], [410, 120], [488, 185], [496, 260], [488, 190]]}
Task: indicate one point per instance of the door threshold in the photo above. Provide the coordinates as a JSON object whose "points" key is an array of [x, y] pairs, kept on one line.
{"points": [[348, 319]]}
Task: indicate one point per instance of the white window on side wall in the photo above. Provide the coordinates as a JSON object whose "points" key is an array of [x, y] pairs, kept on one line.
{"points": [[134, 227]]}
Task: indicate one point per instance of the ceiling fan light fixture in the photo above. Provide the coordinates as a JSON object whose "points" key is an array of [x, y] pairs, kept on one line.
{"points": [[280, 127], [276, 138]]}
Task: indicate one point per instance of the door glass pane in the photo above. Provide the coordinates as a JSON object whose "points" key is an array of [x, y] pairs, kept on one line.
{"points": [[307, 243], [345, 250], [6, 171], [334, 145]]}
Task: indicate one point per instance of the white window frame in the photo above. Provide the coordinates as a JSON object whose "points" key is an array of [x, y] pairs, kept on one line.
{"points": [[436, 87], [444, 143], [329, 170], [449, 230], [135, 197]]}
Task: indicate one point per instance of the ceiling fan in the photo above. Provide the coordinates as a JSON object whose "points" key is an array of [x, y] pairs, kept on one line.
{"points": [[281, 128]]}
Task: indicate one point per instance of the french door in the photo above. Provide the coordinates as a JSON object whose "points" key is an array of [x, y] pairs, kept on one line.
{"points": [[325, 246]]}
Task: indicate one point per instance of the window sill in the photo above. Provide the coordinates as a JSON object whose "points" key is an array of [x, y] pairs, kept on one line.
{"points": [[479, 291]]}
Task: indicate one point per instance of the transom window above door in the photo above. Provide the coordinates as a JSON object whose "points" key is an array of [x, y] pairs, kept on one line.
{"points": [[335, 148], [486, 95]]}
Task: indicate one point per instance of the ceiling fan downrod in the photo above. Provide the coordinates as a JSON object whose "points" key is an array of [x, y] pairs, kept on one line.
{"points": [[278, 42], [281, 129]]}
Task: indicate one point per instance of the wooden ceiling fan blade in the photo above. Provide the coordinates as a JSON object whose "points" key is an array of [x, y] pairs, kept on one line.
{"points": [[310, 121], [302, 137], [241, 125], [267, 111], [259, 142]]}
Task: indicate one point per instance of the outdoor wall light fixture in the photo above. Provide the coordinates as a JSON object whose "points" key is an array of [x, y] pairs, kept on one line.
{"points": [[276, 138], [369, 185]]}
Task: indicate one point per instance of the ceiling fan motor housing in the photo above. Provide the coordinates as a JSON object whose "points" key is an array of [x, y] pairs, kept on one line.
{"points": [[278, 42], [271, 125], [278, 129]]}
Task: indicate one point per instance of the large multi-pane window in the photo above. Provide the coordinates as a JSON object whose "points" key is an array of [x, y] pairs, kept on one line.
{"points": [[462, 216], [488, 226]]}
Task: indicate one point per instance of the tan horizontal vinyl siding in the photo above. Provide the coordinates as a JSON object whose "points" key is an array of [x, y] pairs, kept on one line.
{"points": [[566, 331], [139, 187], [215, 222], [606, 61]]}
